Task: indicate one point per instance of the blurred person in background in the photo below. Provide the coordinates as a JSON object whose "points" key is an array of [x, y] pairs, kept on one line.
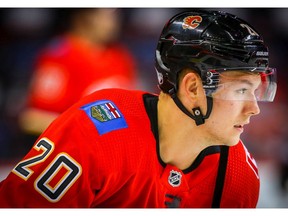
{"points": [[85, 58]]}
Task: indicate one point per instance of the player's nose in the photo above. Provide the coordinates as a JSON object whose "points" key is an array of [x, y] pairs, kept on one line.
{"points": [[252, 107]]}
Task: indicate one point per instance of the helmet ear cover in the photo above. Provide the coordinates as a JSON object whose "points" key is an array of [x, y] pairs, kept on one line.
{"points": [[171, 60]]}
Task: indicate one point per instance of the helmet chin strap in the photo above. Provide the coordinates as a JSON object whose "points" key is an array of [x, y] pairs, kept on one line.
{"points": [[197, 115]]}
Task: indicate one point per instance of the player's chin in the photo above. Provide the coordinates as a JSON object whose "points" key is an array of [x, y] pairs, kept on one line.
{"points": [[232, 141]]}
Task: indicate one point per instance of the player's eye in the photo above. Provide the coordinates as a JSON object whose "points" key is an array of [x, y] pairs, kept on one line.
{"points": [[242, 91]]}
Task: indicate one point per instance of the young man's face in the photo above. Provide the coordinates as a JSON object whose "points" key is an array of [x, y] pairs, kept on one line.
{"points": [[234, 102]]}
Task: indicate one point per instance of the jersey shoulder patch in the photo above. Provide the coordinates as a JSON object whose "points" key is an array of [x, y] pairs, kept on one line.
{"points": [[105, 116]]}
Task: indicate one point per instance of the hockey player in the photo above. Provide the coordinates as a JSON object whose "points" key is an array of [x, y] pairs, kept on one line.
{"points": [[181, 148]]}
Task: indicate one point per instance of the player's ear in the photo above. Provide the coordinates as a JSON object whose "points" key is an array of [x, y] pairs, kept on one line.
{"points": [[190, 84]]}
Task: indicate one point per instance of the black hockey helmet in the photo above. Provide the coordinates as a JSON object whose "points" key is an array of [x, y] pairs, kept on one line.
{"points": [[211, 42]]}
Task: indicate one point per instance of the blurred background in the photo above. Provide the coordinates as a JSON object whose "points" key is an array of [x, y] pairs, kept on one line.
{"points": [[30, 39]]}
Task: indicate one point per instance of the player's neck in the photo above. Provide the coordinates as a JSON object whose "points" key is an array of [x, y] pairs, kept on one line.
{"points": [[179, 139]]}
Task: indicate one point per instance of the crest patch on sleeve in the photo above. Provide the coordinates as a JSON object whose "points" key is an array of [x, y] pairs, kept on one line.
{"points": [[105, 116]]}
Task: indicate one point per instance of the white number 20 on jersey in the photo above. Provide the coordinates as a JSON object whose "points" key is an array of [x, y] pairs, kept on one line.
{"points": [[70, 171]]}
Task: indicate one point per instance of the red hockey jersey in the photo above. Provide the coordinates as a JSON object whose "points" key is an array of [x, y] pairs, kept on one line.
{"points": [[104, 152]]}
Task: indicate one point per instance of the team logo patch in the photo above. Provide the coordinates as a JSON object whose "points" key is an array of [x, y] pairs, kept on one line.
{"points": [[191, 22], [105, 116], [174, 178], [104, 112]]}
